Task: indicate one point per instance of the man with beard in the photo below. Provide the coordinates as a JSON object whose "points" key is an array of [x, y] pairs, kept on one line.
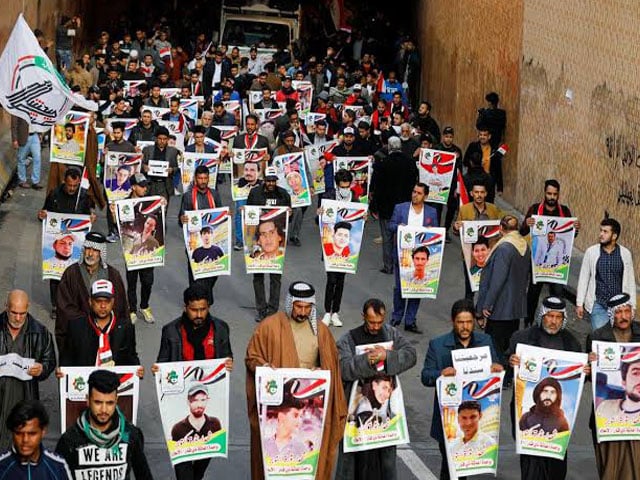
{"points": [[295, 339], [550, 207], [146, 128], [438, 362], [618, 459], [446, 145], [268, 194], [161, 151], [546, 414], [23, 335], [379, 463], [196, 335], [62, 249], [196, 425], [100, 338], [200, 197], [491, 157], [549, 331], [73, 292], [424, 122], [69, 144], [103, 443], [65, 199], [606, 270]]}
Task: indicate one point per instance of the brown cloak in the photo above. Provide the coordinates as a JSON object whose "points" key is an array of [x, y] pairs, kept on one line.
{"points": [[72, 299], [56, 172], [272, 342]]}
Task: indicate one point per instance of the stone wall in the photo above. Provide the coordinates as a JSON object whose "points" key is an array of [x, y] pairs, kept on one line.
{"points": [[469, 48]]}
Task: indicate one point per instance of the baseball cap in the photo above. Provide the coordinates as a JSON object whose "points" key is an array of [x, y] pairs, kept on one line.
{"points": [[197, 387], [447, 131], [271, 173], [357, 86], [349, 131], [139, 179], [323, 96], [102, 289]]}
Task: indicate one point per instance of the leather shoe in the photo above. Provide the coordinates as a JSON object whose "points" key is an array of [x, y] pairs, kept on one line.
{"points": [[413, 329], [386, 270], [395, 323], [36, 186]]}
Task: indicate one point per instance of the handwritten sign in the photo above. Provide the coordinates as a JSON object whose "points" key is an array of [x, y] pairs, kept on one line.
{"points": [[13, 365], [472, 362]]}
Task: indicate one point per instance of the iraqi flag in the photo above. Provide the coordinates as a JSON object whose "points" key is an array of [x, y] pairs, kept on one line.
{"points": [[165, 52], [351, 215], [481, 389], [318, 387], [631, 355], [30, 86], [565, 227], [215, 218], [272, 213], [462, 190], [75, 225], [151, 206], [565, 371]]}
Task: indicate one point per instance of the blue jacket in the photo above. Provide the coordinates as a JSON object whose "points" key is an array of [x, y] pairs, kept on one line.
{"points": [[49, 467], [438, 358], [400, 216]]}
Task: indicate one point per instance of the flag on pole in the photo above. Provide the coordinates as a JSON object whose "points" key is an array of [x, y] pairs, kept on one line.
{"points": [[462, 190], [84, 185], [30, 86]]}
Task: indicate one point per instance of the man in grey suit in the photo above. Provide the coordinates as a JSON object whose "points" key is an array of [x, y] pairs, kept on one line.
{"points": [[160, 184], [502, 297]]}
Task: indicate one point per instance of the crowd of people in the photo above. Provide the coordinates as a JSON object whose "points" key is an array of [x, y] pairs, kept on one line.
{"points": [[95, 310]]}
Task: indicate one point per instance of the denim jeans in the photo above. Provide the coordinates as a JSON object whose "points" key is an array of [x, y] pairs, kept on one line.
{"points": [[406, 308], [237, 221], [599, 316], [32, 146], [64, 57]]}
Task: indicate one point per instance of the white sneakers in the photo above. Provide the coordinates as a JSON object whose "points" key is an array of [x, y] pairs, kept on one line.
{"points": [[331, 319], [133, 316]]}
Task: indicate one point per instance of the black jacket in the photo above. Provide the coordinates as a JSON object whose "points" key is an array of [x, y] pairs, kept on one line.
{"points": [[495, 167], [392, 182], [59, 201], [73, 443], [278, 198], [38, 345], [81, 344], [171, 340]]}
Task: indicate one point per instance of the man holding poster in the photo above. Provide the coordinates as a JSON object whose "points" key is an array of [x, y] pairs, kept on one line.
{"points": [[549, 332], [377, 366], [196, 335], [295, 339], [439, 362], [616, 458]]}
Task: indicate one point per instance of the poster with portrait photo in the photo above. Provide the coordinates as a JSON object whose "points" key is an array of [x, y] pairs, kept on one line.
{"points": [[470, 414], [248, 165], [477, 238], [436, 169], [264, 233], [118, 170], [341, 230], [551, 247], [305, 95], [547, 390], [227, 134], [69, 139], [207, 237], [615, 379], [190, 161], [360, 168], [292, 405], [132, 87], [74, 388], [194, 408], [189, 107], [129, 124], [316, 163], [234, 107], [420, 253], [375, 415], [141, 227], [62, 239], [292, 176]]}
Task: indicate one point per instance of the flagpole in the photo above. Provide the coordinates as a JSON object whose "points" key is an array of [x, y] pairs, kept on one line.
{"points": [[80, 189]]}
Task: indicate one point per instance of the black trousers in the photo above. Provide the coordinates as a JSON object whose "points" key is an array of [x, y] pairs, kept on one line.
{"points": [[501, 331], [275, 281], [533, 295], [333, 291], [207, 283], [542, 468], [191, 470], [444, 465], [146, 283], [53, 290]]}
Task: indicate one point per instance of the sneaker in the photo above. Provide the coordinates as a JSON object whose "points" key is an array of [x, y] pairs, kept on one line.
{"points": [[147, 315], [326, 319], [113, 237], [335, 320], [377, 240], [133, 316], [237, 247]]}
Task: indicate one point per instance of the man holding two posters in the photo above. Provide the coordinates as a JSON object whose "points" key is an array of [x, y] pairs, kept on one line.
{"points": [[371, 354], [439, 362], [548, 333], [615, 424], [295, 339]]}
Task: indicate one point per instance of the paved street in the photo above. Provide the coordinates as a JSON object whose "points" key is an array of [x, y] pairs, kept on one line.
{"points": [[20, 267]]}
